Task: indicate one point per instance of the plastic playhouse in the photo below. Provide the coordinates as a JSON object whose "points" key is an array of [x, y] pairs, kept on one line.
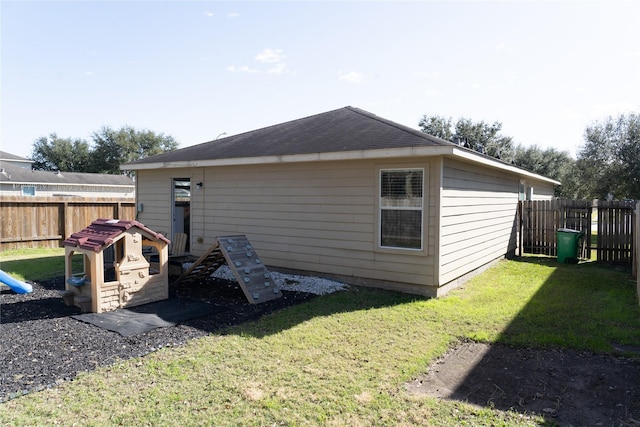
{"points": [[114, 272]]}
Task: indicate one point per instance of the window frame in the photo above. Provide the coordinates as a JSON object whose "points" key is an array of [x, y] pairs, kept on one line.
{"points": [[422, 208], [32, 192]]}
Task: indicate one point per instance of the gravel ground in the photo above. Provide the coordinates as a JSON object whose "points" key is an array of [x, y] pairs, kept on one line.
{"points": [[42, 345]]}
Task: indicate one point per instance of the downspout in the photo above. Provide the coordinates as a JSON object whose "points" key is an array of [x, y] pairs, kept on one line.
{"points": [[438, 229]]}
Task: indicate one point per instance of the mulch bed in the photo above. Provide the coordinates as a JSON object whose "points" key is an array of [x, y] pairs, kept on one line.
{"points": [[42, 345]]}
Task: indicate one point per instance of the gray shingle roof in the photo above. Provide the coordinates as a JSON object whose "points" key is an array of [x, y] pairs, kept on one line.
{"points": [[344, 129], [8, 156], [10, 173]]}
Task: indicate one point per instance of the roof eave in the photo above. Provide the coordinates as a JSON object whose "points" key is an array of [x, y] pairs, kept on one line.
{"points": [[297, 158], [488, 161], [387, 153]]}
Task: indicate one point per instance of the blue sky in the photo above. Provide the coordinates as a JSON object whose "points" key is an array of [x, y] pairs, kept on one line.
{"points": [[197, 69]]}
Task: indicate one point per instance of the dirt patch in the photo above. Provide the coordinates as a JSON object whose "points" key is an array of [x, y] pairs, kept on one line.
{"points": [[566, 387]]}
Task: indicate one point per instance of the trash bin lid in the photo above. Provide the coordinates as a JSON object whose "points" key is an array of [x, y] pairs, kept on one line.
{"points": [[569, 230]]}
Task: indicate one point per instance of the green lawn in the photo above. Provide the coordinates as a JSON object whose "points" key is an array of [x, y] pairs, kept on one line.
{"points": [[343, 359], [33, 264]]}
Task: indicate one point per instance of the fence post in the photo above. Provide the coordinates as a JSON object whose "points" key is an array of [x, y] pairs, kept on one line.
{"points": [[63, 220], [520, 228], [636, 248]]}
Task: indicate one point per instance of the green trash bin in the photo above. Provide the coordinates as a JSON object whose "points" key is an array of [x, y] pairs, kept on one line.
{"points": [[568, 245]]}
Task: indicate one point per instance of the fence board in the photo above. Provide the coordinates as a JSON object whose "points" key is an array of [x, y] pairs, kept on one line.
{"points": [[615, 232], [615, 227], [636, 248], [541, 219], [28, 222]]}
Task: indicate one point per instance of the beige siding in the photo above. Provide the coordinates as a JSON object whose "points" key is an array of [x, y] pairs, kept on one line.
{"points": [[323, 216], [542, 191], [478, 217], [154, 192], [317, 217]]}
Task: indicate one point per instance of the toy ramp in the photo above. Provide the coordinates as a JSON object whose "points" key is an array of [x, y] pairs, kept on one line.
{"points": [[237, 253]]}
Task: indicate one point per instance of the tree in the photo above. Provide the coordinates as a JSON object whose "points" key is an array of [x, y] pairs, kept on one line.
{"points": [[110, 149], [552, 163], [482, 137], [115, 147], [609, 162], [64, 154], [485, 138], [437, 126]]}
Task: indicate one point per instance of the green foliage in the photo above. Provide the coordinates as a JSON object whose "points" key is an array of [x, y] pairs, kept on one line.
{"points": [[479, 136], [485, 137], [440, 127], [552, 163], [115, 147], [609, 161], [61, 154], [110, 149]]}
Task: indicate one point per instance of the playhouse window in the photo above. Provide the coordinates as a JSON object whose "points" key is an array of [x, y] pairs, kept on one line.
{"points": [[401, 208]]}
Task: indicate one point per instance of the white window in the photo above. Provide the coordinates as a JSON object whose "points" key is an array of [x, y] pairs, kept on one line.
{"points": [[401, 208], [28, 190], [521, 191]]}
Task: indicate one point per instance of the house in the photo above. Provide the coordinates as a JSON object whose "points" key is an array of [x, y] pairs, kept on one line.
{"points": [[17, 178], [344, 194]]}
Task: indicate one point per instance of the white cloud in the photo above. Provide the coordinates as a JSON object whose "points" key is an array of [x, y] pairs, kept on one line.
{"points": [[233, 15], [209, 14], [273, 58], [429, 74], [270, 56], [351, 77], [243, 69], [280, 68]]}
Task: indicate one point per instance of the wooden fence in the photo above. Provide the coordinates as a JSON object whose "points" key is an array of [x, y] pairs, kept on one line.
{"points": [[540, 220], [615, 232], [636, 248], [29, 222]]}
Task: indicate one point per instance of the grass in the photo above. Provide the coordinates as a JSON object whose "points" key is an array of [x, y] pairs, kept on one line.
{"points": [[342, 359], [33, 264]]}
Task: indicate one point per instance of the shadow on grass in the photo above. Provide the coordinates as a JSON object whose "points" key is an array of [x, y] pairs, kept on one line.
{"points": [[348, 301], [554, 358]]}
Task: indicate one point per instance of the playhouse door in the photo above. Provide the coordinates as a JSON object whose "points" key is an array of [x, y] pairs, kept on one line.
{"points": [[181, 208]]}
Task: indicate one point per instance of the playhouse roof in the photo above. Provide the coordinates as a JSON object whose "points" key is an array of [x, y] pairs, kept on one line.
{"points": [[104, 232]]}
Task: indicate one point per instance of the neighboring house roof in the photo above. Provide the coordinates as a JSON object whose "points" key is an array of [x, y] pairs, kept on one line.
{"points": [[342, 134], [13, 174], [12, 158], [8, 156], [103, 232]]}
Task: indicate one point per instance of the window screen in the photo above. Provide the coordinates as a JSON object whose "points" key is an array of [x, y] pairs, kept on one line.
{"points": [[401, 205]]}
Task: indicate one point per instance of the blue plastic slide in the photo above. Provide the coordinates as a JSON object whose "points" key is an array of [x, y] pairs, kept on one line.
{"points": [[16, 285]]}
